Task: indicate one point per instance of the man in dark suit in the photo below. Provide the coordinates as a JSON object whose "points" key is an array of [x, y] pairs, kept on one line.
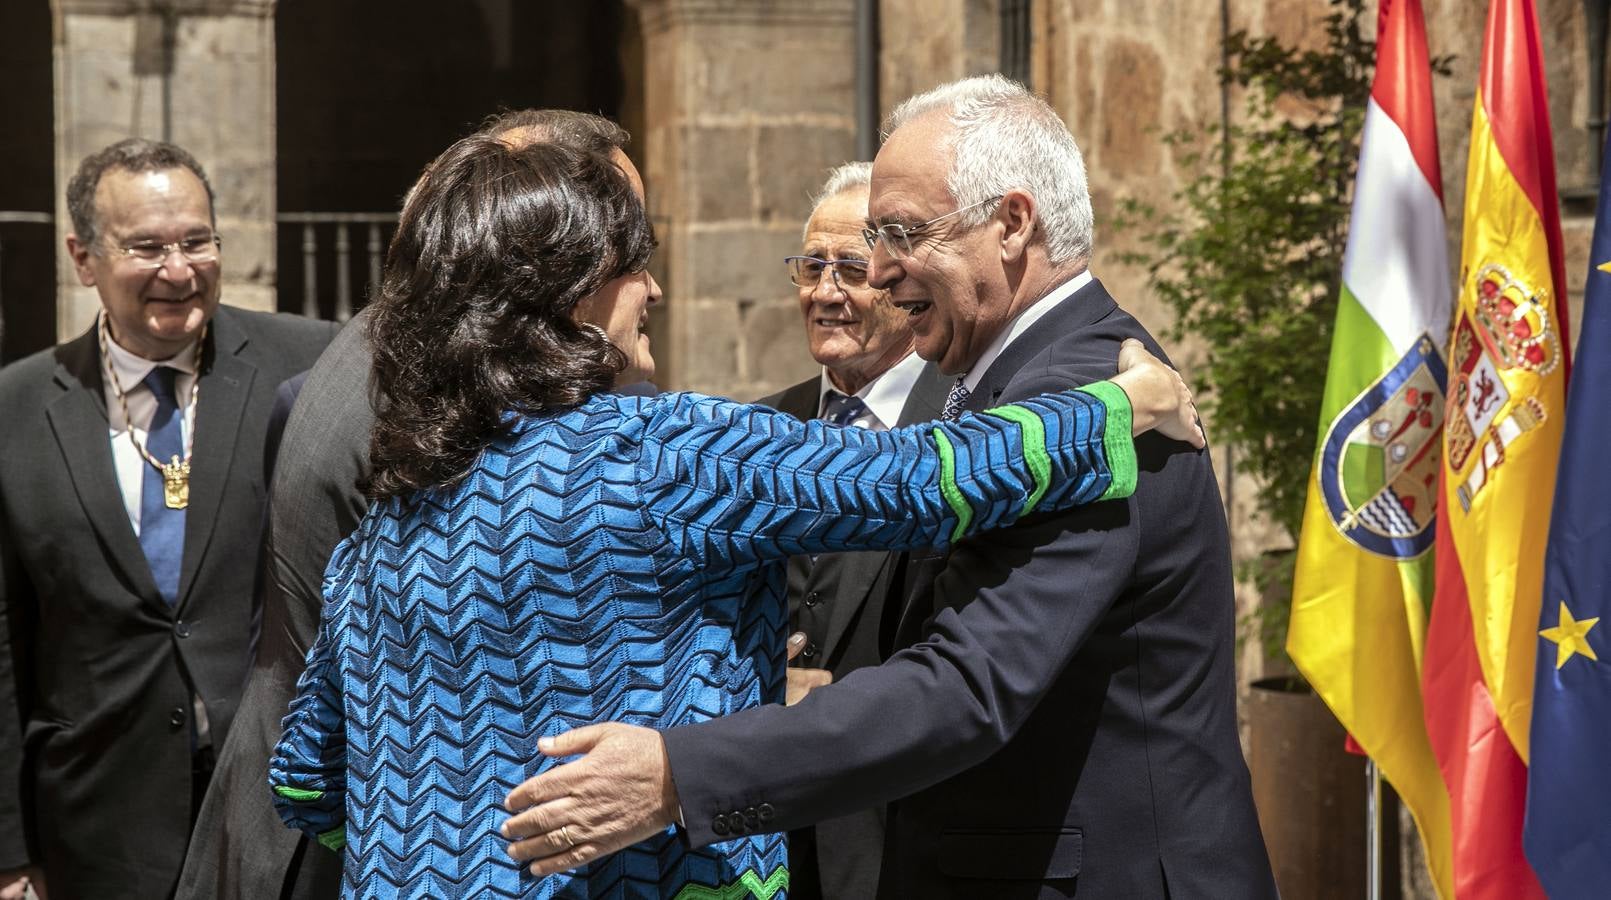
{"points": [[870, 378], [241, 847], [1061, 718], [130, 517]]}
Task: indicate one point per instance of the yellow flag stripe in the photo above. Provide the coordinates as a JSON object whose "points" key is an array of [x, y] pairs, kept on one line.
{"points": [[1498, 495]]}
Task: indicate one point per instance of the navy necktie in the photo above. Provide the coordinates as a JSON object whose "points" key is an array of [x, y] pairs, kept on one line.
{"points": [[842, 410], [956, 401], [162, 530]]}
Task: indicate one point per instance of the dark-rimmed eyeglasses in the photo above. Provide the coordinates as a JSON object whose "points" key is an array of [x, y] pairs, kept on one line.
{"points": [[152, 254], [806, 271], [898, 238]]}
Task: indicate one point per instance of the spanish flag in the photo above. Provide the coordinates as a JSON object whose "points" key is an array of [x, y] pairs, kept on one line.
{"points": [[1364, 573], [1508, 361]]}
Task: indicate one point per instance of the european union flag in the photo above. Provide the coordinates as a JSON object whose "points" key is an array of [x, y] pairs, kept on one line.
{"points": [[1568, 830]]}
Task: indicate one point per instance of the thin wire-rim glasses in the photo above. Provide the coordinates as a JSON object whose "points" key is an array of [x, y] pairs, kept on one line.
{"points": [[897, 238], [806, 271]]}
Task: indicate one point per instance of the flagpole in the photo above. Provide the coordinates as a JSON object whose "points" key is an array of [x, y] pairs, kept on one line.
{"points": [[1373, 831]]}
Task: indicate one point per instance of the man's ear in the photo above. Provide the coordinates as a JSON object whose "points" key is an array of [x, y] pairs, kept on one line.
{"points": [[1020, 218], [79, 252]]}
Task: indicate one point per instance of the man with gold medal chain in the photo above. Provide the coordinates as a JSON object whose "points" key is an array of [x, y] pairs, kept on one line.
{"points": [[131, 508]]}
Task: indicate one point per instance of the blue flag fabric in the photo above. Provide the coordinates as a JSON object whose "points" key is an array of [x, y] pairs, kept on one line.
{"points": [[1568, 829]]}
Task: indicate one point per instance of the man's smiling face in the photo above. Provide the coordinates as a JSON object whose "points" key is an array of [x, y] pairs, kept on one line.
{"points": [[851, 329], [154, 312], [951, 285]]}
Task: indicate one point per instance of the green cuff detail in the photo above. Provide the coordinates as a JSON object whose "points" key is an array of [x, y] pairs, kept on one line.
{"points": [[297, 794], [948, 486], [749, 885], [1032, 432], [1117, 441], [335, 839]]}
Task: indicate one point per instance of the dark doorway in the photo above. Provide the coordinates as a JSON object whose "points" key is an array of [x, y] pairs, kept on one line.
{"points": [[372, 90], [27, 193]]}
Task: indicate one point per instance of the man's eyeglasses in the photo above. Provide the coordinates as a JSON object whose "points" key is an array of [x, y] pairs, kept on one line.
{"points": [[806, 271], [897, 238], [151, 254]]}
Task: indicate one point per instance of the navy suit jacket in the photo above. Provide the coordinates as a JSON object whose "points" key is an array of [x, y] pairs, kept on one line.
{"points": [[1061, 718]]}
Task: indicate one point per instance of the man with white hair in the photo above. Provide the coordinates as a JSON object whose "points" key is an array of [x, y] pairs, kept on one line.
{"points": [[1061, 718], [870, 378]]}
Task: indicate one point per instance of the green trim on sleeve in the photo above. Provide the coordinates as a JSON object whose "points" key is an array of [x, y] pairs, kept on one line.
{"points": [[1117, 441], [298, 795], [948, 485], [335, 838], [1032, 431]]}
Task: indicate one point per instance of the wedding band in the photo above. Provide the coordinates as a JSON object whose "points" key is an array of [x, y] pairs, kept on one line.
{"points": [[566, 837]]}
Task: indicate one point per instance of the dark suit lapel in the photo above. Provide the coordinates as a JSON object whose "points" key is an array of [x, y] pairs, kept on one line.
{"points": [[927, 399], [860, 571], [1087, 305], [226, 382], [800, 401], [78, 421]]}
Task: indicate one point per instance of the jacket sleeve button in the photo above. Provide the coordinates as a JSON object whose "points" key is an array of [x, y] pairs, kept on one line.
{"points": [[764, 812], [719, 825]]}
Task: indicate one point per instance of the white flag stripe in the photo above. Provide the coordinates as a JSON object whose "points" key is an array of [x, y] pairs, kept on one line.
{"points": [[1397, 261]]}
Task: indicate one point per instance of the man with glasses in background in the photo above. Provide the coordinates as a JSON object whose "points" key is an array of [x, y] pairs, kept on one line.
{"points": [[1060, 718], [131, 495], [870, 378]]}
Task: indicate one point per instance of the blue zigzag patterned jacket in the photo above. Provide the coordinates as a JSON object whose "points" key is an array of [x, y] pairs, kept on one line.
{"points": [[621, 561]]}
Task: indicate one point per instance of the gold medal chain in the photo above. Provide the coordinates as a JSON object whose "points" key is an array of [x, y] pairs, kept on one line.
{"points": [[176, 475]]}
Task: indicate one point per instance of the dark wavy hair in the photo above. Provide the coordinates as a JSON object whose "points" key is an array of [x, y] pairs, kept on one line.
{"points": [[472, 321]]}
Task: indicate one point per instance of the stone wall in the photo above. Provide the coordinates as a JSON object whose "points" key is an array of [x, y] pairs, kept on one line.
{"points": [[204, 80], [748, 104]]}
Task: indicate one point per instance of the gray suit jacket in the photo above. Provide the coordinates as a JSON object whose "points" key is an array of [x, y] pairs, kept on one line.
{"points": [[839, 602], [96, 671], [240, 847]]}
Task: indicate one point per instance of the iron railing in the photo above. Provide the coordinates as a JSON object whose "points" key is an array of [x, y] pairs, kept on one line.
{"points": [[311, 231]]}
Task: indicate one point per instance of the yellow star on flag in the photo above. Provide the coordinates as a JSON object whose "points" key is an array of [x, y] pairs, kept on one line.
{"points": [[1570, 635], [1604, 267]]}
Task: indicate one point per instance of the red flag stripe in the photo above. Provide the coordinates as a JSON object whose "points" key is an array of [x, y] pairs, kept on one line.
{"points": [[1487, 781], [1516, 98], [1403, 83]]}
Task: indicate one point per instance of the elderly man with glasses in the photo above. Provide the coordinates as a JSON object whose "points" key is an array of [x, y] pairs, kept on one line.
{"points": [[1060, 717], [131, 505], [870, 378]]}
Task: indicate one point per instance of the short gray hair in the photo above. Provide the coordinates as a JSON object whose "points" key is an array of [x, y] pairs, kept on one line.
{"points": [[846, 177], [136, 155], [1005, 137]]}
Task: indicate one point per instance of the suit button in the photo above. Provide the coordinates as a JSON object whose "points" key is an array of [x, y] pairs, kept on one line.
{"points": [[752, 819], [719, 825], [813, 598], [181, 628], [177, 717], [810, 651], [764, 811], [735, 819]]}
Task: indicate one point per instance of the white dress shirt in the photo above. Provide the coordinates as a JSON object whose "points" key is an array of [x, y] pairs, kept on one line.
{"points": [[884, 396], [131, 466], [1020, 324]]}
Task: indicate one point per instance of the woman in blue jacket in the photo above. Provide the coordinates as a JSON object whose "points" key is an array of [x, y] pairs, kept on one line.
{"points": [[545, 553]]}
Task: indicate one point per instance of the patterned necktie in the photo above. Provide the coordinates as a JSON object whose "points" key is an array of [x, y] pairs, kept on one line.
{"points": [[956, 400], [162, 530], [842, 410]]}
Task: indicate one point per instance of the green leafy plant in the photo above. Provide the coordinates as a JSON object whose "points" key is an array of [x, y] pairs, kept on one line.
{"points": [[1249, 257]]}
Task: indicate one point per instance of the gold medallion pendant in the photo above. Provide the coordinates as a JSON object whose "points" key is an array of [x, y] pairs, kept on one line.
{"points": [[176, 483]]}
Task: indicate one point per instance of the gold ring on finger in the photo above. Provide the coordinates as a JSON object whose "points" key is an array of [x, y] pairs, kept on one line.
{"points": [[565, 836]]}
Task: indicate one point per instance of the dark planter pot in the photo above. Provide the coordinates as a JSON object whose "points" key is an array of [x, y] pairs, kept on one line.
{"points": [[1309, 790]]}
